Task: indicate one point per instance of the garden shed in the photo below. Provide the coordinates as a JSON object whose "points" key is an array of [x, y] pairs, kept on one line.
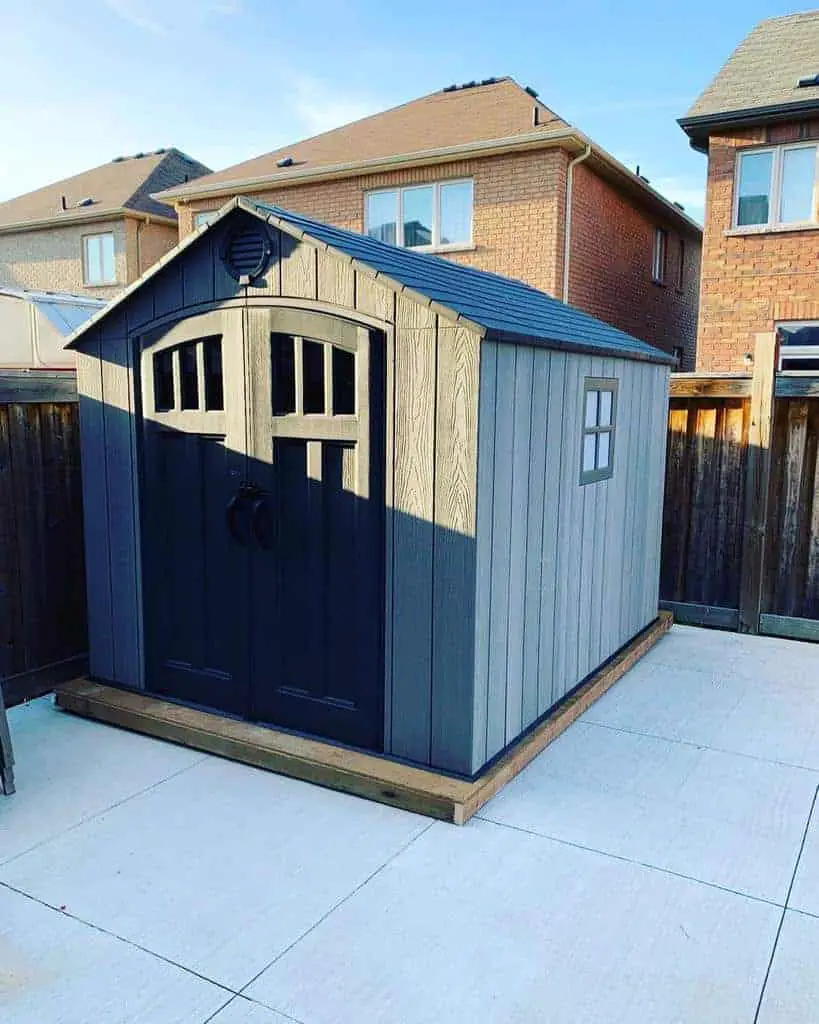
{"points": [[363, 493]]}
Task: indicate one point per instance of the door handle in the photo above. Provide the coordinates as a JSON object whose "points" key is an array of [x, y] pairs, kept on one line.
{"points": [[258, 508], [231, 512]]}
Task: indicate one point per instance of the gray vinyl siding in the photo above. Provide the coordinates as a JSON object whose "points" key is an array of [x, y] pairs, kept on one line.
{"points": [[566, 573]]}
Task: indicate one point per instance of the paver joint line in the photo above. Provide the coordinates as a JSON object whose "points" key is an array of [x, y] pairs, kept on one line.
{"points": [[785, 907]]}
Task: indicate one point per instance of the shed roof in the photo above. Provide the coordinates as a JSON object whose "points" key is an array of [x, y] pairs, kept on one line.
{"points": [[498, 306], [762, 74], [122, 185]]}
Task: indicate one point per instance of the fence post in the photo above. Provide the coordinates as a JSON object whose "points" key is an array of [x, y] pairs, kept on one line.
{"points": [[757, 481]]}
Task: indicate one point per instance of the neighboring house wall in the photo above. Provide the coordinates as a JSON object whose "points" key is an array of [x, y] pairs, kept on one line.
{"points": [[751, 279], [517, 228], [518, 225], [52, 259], [610, 268]]}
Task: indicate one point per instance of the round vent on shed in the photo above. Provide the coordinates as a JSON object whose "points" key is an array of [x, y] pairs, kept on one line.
{"points": [[247, 252]]}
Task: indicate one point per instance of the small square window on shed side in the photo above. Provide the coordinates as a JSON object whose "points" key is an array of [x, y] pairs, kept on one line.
{"points": [[599, 424]]}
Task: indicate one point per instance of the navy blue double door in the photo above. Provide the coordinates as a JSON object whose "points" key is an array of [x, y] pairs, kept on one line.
{"points": [[263, 519]]}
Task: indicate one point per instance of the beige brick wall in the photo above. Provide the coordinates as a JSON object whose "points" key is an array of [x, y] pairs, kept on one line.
{"points": [[516, 226], [750, 281], [51, 259]]}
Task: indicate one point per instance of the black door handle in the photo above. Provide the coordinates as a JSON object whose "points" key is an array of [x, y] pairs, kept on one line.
{"points": [[231, 512], [258, 509]]}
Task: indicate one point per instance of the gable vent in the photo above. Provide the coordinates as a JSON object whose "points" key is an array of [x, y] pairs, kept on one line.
{"points": [[247, 253]]}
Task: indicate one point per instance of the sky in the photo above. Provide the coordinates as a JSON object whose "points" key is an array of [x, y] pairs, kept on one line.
{"points": [[225, 80]]}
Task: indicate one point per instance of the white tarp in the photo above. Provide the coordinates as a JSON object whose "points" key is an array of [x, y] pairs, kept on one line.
{"points": [[34, 326]]}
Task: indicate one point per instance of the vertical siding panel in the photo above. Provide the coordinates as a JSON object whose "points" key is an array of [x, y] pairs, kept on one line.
{"points": [[374, 298], [501, 550], [598, 599], [336, 281], [95, 508], [629, 451], [657, 450], [414, 459], [299, 269], [614, 554], [589, 494], [553, 496], [570, 533], [453, 618], [167, 289], [487, 400], [122, 523], [520, 458], [197, 271], [535, 580]]}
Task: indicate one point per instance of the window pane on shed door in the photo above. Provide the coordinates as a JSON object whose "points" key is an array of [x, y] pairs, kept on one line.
{"points": [[417, 216], [343, 382], [283, 369], [798, 175], [163, 380], [604, 419], [214, 387], [381, 216], [313, 376], [189, 388], [591, 408], [588, 453], [603, 450]]}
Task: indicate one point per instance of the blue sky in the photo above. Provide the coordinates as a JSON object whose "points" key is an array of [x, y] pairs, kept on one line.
{"points": [[225, 80]]}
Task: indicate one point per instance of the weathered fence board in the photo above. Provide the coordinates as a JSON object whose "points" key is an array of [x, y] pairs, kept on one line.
{"points": [[42, 578]]}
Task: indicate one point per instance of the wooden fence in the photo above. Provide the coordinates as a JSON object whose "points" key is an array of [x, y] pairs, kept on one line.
{"points": [[42, 578], [741, 518]]}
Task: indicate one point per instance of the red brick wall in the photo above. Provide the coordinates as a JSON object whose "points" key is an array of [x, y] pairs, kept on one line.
{"points": [[610, 272], [750, 280]]}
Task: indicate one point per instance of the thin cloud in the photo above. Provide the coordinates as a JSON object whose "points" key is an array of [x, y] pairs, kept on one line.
{"points": [[161, 18], [318, 107], [688, 192], [636, 104]]}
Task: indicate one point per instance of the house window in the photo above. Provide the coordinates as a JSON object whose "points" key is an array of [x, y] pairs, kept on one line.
{"points": [[599, 415], [98, 259], [421, 216], [204, 217], [681, 266], [776, 186], [658, 256]]}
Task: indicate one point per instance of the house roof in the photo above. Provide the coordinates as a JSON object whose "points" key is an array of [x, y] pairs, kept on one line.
{"points": [[498, 307], [760, 78], [457, 116], [125, 184]]}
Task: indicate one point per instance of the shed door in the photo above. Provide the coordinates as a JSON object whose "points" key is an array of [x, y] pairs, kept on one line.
{"points": [[316, 456], [196, 568]]}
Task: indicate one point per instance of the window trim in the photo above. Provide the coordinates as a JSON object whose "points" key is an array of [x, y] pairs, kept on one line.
{"points": [[87, 282], [775, 195], [681, 255], [436, 246], [612, 384], [659, 266]]}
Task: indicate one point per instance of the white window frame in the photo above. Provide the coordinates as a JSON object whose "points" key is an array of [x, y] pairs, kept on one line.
{"points": [[436, 246], [659, 255], [105, 281], [203, 217], [775, 197], [794, 353]]}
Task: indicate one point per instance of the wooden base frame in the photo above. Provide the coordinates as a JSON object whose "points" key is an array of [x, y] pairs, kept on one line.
{"points": [[376, 778]]}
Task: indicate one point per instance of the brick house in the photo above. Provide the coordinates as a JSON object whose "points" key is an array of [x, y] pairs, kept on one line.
{"points": [[758, 122], [96, 232], [487, 175]]}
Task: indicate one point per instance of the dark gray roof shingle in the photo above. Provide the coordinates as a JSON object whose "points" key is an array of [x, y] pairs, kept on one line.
{"points": [[502, 306], [763, 71]]}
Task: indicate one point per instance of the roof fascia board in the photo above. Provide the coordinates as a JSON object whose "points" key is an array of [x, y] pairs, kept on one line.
{"points": [[700, 125], [93, 216]]}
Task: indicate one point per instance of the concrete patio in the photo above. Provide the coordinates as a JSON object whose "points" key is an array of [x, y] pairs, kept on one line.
{"points": [[659, 862]]}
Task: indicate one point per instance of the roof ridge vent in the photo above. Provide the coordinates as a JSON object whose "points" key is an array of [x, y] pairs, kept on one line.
{"points": [[286, 161], [806, 83]]}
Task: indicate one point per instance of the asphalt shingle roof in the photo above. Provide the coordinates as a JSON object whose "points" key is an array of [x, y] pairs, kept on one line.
{"points": [[122, 184], [501, 305], [763, 71]]}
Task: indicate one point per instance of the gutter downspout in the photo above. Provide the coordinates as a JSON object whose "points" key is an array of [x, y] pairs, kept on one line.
{"points": [[567, 218]]}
